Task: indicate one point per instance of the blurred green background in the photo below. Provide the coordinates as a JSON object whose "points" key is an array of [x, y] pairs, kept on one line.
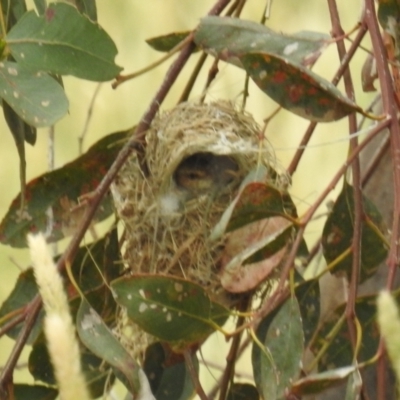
{"points": [[129, 23]]}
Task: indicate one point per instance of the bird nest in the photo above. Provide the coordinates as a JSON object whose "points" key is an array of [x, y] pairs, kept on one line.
{"points": [[168, 223]]}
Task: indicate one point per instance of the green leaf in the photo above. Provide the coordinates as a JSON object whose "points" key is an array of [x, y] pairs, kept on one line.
{"points": [[98, 338], [91, 266], [230, 38], [253, 253], [389, 17], [167, 373], [243, 391], [170, 308], [87, 7], [64, 42], [256, 200], [277, 364], [317, 383], [308, 296], [34, 392], [41, 368], [167, 42], [61, 189], [340, 352], [337, 235], [296, 88], [25, 289], [40, 6], [21, 131], [36, 97], [12, 11]]}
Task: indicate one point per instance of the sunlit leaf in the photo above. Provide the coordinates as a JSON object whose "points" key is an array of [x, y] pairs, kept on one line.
{"points": [[170, 308], [354, 386], [277, 364], [168, 375], [60, 190], [167, 42], [316, 383], [47, 43], [230, 38], [337, 235], [97, 337], [296, 88], [36, 97]]}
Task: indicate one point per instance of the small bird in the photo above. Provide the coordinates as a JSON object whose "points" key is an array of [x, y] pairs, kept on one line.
{"points": [[205, 173]]}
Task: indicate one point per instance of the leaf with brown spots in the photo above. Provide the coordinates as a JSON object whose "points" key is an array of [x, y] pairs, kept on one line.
{"points": [[59, 191], [297, 89], [338, 231]]}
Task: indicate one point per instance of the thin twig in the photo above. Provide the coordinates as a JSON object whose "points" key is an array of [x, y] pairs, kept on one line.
{"points": [[89, 115], [311, 211], [233, 351], [193, 77], [120, 79], [193, 374], [389, 108], [339, 73], [355, 167]]}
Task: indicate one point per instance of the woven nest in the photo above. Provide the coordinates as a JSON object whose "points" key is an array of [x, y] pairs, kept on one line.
{"points": [[166, 233]]}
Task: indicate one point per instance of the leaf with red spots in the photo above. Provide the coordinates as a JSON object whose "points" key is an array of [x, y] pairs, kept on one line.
{"points": [[297, 89], [172, 309], [167, 42], [259, 226], [338, 231], [229, 38], [59, 191], [256, 200], [47, 43]]}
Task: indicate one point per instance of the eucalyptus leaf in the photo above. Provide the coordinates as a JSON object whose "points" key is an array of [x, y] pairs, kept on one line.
{"points": [[65, 42], [36, 97]]}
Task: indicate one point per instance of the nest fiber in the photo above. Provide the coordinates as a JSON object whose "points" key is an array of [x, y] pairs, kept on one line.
{"points": [[167, 232]]}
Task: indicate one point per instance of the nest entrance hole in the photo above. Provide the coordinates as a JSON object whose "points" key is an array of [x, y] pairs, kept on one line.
{"points": [[205, 172]]}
